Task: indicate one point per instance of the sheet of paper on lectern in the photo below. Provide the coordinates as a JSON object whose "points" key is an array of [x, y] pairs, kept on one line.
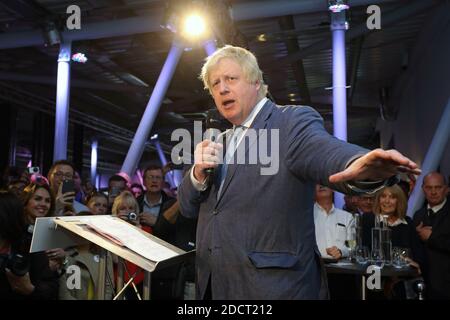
{"points": [[127, 236]]}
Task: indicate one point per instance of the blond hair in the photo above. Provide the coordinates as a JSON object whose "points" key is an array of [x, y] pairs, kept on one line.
{"points": [[397, 192], [241, 56], [127, 198]]}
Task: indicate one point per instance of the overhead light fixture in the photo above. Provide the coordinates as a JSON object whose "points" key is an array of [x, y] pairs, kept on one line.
{"points": [[291, 95], [79, 57], [187, 18], [262, 38], [194, 25], [337, 5], [51, 34]]}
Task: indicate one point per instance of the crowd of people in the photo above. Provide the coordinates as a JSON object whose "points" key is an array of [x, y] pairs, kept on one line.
{"points": [[25, 197], [259, 235], [425, 236]]}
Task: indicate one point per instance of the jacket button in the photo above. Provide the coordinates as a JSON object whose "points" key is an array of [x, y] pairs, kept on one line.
{"points": [[215, 212]]}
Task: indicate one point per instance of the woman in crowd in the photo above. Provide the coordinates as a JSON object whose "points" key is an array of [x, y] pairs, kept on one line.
{"points": [[38, 202], [23, 275], [97, 203], [390, 202], [126, 207]]}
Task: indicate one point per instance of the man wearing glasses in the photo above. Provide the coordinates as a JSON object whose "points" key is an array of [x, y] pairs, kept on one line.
{"points": [[154, 201], [60, 171]]}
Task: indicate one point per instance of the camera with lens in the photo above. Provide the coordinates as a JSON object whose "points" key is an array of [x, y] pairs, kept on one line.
{"points": [[132, 217], [33, 170], [17, 263]]}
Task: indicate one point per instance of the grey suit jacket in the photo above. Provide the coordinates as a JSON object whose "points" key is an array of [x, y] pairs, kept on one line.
{"points": [[257, 240]]}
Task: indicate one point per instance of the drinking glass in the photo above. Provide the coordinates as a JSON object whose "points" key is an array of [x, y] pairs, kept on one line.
{"points": [[377, 258], [399, 257], [351, 245], [362, 255]]}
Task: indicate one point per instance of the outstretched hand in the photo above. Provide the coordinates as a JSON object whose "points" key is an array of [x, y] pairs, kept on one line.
{"points": [[376, 165]]}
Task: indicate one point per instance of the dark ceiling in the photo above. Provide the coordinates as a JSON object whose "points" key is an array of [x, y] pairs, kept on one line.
{"points": [[109, 93]]}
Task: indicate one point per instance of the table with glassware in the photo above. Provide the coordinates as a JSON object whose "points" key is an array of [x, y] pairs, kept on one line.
{"points": [[362, 269]]}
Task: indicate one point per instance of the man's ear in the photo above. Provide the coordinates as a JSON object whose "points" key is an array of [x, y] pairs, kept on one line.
{"points": [[258, 84]]}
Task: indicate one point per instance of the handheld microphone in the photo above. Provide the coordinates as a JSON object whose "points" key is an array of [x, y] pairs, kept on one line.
{"points": [[215, 124], [213, 135]]}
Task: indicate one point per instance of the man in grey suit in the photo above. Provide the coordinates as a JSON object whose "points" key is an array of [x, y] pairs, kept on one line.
{"points": [[255, 234]]}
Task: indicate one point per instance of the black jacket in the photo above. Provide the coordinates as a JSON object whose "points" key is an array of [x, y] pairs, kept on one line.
{"points": [[437, 248], [166, 203], [44, 280]]}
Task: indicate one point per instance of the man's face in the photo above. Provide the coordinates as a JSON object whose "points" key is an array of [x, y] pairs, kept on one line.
{"points": [[323, 193], [351, 202], [365, 204], [153, 180], [435, 189], [60, 173], [233, 95]]}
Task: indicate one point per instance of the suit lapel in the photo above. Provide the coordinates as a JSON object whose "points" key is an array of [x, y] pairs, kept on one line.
{"points": [[260, 122]]}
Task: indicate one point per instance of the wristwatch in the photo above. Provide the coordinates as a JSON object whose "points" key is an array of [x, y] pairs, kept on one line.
{"points": [[372, 187]]}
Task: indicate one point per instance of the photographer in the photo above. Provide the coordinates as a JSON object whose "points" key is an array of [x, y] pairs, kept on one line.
{"points": [[22, 275]]}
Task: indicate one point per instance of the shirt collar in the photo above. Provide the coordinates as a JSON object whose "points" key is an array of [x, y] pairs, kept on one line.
{"points": [[248, 122], [324, 211], [152, 205], [397, 222], [438, 207]]}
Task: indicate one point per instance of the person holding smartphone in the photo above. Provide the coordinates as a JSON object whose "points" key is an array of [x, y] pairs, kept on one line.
{"points": [[60, 177]]}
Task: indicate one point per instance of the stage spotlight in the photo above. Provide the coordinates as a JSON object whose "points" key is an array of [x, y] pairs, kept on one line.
{"points": [[194, 26]]}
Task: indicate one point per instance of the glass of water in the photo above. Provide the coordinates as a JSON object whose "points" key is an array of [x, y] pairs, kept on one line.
{"points": [[362, 254], [377, 257]]}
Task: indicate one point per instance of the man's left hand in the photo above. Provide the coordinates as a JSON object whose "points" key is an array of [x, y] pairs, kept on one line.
{"points": [[376, 165]]}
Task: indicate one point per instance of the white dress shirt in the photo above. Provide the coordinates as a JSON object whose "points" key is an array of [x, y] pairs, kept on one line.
{"points": [[438, 207], [332, 229]]}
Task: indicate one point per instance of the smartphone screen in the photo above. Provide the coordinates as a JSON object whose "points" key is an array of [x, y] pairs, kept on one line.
{"points": [[68, 186]]}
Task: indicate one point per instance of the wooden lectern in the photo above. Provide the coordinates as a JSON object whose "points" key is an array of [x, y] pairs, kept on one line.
{"points": [[63, 232]]}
